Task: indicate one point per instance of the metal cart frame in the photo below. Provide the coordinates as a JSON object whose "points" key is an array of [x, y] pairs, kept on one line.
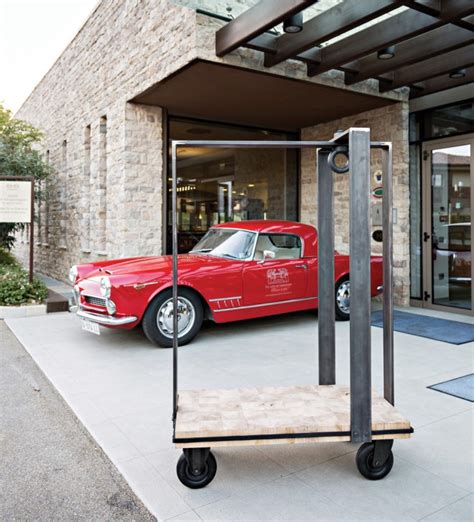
{"points": [[355, 144]]}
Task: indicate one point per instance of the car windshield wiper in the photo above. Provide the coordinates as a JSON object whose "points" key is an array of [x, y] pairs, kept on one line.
{"points": [[230, 256]]}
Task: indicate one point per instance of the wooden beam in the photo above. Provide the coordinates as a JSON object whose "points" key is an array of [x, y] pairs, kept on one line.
{"points": [[327, 25], [256, 20], [441, 83], [388, 32], [443, 39], [427, 69], [456, 9]]}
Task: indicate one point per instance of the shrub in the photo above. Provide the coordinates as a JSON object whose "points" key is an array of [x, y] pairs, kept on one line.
{"points": [[16, 289], [6, 258]]}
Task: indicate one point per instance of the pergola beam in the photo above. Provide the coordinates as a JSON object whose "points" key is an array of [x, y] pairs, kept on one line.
{"points": [[389, 32], [329, 24], [255, 21], [384, 34], [441, 83], [427, 69], [428, 45]]}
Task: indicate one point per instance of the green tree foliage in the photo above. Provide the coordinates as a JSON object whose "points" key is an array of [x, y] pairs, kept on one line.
{"points": [[19, 156]]}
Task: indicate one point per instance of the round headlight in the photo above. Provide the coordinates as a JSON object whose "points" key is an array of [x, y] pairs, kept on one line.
{"points": [[73, 274], [111, 308], [105, 286]]}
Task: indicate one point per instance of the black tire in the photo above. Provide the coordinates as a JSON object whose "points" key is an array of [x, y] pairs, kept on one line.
{"points": [[189, 479], [150, 326], [365, 463], [341, 313]]}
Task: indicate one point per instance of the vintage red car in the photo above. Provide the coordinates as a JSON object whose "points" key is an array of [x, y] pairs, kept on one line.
{"points": [[238, 271]]}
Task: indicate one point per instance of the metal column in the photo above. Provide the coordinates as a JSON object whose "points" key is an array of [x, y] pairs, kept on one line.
{"points": [[387, 212], [174, 210], [326, 312], [360, 342]]}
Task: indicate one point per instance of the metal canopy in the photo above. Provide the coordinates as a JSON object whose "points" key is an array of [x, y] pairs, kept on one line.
{"points": [[432, 39]]}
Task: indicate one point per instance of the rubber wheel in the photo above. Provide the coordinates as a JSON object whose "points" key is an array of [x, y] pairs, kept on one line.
{"points": [[150, 318], [341, 289], [365, 459], [201, 480]]}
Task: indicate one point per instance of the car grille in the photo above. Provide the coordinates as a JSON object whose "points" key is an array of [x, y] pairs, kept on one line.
{"points": [[95, 301]]}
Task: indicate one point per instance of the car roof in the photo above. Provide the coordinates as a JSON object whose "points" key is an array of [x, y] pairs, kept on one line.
{"points": [[273, 226]]}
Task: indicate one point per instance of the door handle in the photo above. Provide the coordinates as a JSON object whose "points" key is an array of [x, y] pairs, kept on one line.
{"points": [[301, 266], [426, 236]]}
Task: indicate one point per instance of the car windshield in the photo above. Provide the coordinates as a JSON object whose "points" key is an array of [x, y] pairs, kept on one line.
{"points": [[228, 243]]}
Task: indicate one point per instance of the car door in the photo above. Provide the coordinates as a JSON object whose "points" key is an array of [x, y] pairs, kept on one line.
{"points": [[277, 273]]}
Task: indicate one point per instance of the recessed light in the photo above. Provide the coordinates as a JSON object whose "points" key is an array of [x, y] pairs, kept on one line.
{"points": [[293, 24], [386, 53], [457, 73]]}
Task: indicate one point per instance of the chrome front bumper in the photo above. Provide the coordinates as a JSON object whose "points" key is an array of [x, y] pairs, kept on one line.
{"points": [[106, 320]]}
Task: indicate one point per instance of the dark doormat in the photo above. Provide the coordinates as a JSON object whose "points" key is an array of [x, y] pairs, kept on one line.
{"points": [[462, 387], [445, 330]]}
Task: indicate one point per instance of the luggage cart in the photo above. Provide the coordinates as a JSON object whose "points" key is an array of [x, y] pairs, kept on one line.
{"points": [[316, 413]]}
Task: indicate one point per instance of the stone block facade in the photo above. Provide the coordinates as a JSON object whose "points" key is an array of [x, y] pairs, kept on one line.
{"points": [[107, 196], [386, 124]]}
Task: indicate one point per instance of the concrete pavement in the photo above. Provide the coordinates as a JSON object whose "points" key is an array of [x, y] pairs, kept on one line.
{"points": [[50, 467], [119, 385]]}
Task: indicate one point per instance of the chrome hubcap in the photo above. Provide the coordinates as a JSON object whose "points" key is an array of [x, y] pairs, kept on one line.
{"points": [[186, 315], [343, 296]]}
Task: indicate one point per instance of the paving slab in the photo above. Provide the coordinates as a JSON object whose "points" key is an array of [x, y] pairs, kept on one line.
{"points": [[51, 468], [120, 387]]}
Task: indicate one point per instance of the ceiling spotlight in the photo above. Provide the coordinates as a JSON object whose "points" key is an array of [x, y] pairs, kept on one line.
{"points": [[294, 24], [457, 73], [387, 53]]}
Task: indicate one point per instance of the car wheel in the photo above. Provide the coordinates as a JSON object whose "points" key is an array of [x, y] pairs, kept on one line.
{"points": [[343, 299], [158, 319]]}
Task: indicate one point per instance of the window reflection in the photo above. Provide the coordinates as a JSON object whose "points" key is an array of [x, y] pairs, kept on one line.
{"points": [[451, 226], [218, 185]]}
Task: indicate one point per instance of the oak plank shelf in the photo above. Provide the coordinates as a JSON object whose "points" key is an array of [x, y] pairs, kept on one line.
{"points": [[277, 415]]}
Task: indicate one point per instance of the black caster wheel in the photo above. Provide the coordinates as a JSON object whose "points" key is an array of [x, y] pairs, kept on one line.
{"points": [[199, 477], [367, 467]]}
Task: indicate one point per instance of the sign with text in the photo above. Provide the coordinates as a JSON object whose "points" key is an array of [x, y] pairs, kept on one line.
{"points": [[15, 201]]}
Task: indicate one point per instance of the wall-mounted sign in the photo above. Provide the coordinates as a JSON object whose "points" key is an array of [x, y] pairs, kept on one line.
{"points": [[15, 201], [377, 218], [377, 192]]}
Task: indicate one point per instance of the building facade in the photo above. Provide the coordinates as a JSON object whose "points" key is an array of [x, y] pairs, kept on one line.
{"points": [[142, 72]]}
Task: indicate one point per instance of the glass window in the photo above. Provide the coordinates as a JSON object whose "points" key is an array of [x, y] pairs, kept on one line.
{"points": [[278, 246], [415, 222], [222, 242], [218, 185], [440, 122]]}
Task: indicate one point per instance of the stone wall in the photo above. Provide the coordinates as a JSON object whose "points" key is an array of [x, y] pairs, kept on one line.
{"points": [[386, 124], [106, 197]]}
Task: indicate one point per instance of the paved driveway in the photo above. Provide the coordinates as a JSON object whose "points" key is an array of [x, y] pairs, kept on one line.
{"points": [[120, 387]]}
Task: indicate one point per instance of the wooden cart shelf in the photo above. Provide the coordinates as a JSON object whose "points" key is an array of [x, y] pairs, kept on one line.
{"points": [[276, 415]]}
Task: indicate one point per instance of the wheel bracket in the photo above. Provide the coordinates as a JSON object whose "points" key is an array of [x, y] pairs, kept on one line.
{"points": [[382, 451], [196, 458]]}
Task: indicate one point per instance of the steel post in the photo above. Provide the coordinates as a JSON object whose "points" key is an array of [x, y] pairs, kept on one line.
{"points": [[387, 212], [360, 343], [326, 312], [174, 210]]}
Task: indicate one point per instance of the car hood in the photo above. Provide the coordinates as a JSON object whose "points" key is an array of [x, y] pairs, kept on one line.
{"points": [[154, 266]]}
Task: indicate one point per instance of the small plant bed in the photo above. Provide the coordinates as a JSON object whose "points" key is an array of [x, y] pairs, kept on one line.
{"points": [[15, 287]]}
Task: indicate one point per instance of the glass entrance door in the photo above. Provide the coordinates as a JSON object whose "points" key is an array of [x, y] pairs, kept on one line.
{"points": [[448, 224]]}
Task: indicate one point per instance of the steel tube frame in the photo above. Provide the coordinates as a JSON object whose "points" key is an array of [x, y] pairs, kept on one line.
{"points": [[326, 310], [359, 146]]}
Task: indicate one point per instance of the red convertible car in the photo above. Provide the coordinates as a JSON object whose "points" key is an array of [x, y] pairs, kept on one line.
{"points": [[237, 271]]}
